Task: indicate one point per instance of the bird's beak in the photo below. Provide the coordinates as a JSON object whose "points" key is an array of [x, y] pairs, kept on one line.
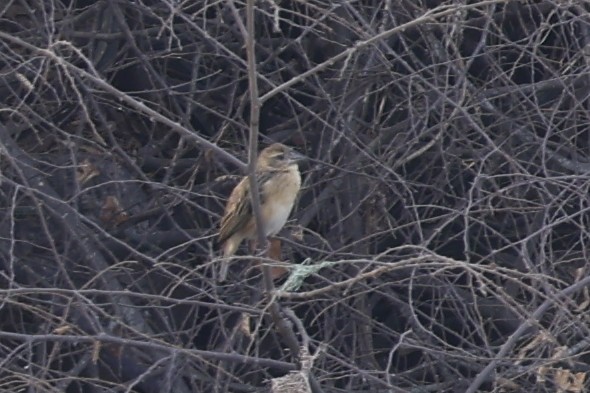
{"points": [[295, 157]]}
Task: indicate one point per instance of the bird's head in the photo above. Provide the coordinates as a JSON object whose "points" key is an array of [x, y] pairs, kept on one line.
{"points": [[278, 156]]}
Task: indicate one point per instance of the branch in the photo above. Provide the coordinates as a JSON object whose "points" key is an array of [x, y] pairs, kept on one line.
{"points": [[132, 102], [429, 16], [283, 326], [529, 322]]}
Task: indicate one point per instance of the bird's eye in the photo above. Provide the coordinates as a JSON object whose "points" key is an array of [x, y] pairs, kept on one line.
{"points": [[280, 156]]}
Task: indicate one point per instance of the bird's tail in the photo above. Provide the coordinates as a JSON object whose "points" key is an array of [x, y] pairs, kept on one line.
{"points": [[223, 270], [229, 248]]}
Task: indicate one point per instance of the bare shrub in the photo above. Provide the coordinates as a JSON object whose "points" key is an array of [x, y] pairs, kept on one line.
{"points": [[439, 243]]}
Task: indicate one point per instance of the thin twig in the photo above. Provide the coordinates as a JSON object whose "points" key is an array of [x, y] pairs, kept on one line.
{"points": [[132, 102]]}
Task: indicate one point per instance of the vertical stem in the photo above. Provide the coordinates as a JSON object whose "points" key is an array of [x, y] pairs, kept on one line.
{"points": [[254, 121], [283, 326]]}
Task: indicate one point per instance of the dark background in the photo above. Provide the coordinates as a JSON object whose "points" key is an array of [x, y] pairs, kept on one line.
{"points": [[444, 206]]}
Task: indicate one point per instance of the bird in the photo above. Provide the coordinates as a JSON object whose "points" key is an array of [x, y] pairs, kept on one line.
{"points": [[279, 182]]}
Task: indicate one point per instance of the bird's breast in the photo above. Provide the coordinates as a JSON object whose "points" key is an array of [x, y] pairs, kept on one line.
{"points": [[279, 199], [277, 217]]}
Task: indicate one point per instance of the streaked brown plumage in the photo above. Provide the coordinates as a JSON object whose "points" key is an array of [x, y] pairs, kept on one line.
{"points": [[279, 182]]}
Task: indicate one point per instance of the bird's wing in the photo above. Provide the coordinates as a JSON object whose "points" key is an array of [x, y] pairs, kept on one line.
{"points": [[238, 210]]}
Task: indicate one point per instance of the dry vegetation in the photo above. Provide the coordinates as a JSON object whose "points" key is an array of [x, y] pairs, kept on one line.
{"points": [[440, 243]]}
